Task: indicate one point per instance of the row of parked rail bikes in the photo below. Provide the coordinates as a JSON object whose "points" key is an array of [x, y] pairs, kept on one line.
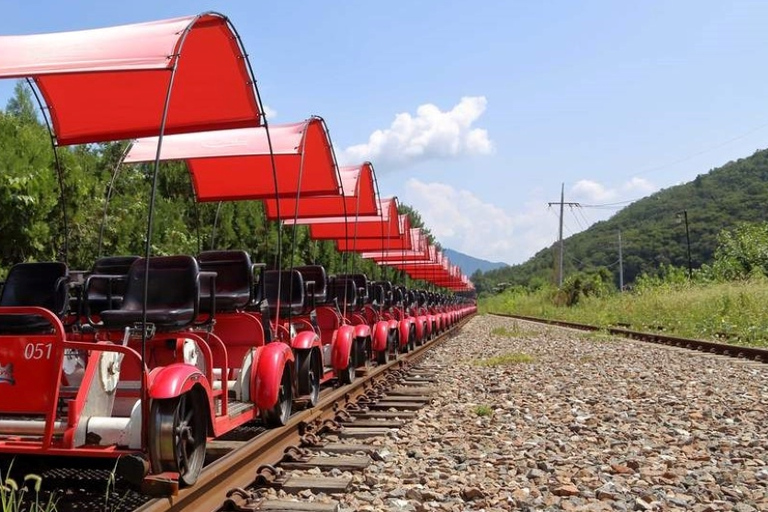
{"points": [[143, 359], [226, 346]]}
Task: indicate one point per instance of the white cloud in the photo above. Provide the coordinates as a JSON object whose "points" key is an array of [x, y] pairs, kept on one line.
{"points": [[592, 192], [270, 112], [431, 133], [639, 186], [462, 221]]}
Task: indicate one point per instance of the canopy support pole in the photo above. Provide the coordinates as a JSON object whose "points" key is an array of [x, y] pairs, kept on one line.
{"points": [[64, 251]]}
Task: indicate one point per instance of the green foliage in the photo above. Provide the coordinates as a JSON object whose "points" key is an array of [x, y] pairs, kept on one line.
{"points": [[585, 284], [13, 497], [504, 332], [741, 252], [483, 410]]}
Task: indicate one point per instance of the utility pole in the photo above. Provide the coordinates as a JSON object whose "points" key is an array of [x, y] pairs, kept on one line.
{"points": [[562, 203], [684, 217], [621, 267]]}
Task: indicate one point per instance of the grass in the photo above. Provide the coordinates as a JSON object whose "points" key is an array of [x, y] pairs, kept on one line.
{"points": [[483, 410], [13, 497], [505, 332], [728, 312], [507, 359]]}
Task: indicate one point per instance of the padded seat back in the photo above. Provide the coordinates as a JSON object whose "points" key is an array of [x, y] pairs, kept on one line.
{"points": [[172, 294], [290, 292], [386, 292], [234, 279], [398, 296], [99, 291], [316, 274], [43, 284], [343, 291], [376, 294], [361, 283]]}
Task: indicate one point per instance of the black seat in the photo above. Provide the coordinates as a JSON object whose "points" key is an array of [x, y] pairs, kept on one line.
{"points": [[290, 292], [361, 283], [342, 291], [43, 284], [376, 294], [314, 274], [386, 291], [398, 296], [234, 279], [172, 294], [105, 287]]}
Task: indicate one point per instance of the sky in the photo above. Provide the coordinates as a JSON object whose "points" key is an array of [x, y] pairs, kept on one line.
{"points": [[475, 113]]}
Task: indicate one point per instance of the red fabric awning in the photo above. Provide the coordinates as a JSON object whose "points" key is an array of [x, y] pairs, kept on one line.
{"points": [[405, 242], [229, 165], [387, 225], [359, 196], [111, 83]]}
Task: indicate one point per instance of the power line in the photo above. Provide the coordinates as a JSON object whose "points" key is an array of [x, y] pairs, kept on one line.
{"points": [[619, 204], [698, 153]]}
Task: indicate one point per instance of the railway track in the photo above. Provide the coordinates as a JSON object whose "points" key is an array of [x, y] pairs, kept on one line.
{"points": [[249, 462], [738, 351], [381, 397]]}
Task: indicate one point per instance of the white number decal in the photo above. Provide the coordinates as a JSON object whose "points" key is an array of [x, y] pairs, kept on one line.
{"points": [[38, 350]]}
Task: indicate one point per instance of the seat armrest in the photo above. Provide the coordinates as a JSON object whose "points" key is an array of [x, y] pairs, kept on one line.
{"points": [[209, 276], [109, 278]]}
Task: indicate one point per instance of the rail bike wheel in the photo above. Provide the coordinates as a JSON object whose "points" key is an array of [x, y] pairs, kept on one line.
{"points": [[412, 339], [279, 414], [177, 433], [393, 342], [389, 351], [347, 375], [309, 376]]}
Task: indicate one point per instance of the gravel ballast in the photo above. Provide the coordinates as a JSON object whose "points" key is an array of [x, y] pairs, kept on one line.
{"points": [[563, 420]]}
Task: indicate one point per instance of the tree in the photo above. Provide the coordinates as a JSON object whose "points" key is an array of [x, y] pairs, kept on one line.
{"points": [[21, 105]]}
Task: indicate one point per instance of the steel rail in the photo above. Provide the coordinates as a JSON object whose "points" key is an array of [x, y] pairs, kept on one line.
{"points": [[239, 467], [739, 351]]}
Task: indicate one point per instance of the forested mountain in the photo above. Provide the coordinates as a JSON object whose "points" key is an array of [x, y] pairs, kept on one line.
{"points": [[653, 228], [469, 264]]}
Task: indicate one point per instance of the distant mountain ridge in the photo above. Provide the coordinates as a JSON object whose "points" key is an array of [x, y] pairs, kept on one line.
{"points": [[469, 264]]}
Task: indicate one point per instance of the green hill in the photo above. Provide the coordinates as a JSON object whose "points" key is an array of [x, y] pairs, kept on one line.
{"points": [[650, 230]]}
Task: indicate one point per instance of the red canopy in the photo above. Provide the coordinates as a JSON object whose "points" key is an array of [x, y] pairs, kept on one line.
{"points": [[405, 242], [359, 197], [387, 225], [237, 165], [112, 83]]}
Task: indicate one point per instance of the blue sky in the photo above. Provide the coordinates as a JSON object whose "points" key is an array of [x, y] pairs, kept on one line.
{"points": [[476, 112]]}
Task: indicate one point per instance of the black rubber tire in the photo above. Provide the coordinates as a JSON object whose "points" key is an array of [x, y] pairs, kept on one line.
{"points": [[279, 415], [348, 374], [178, 432], [308, 363]]}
